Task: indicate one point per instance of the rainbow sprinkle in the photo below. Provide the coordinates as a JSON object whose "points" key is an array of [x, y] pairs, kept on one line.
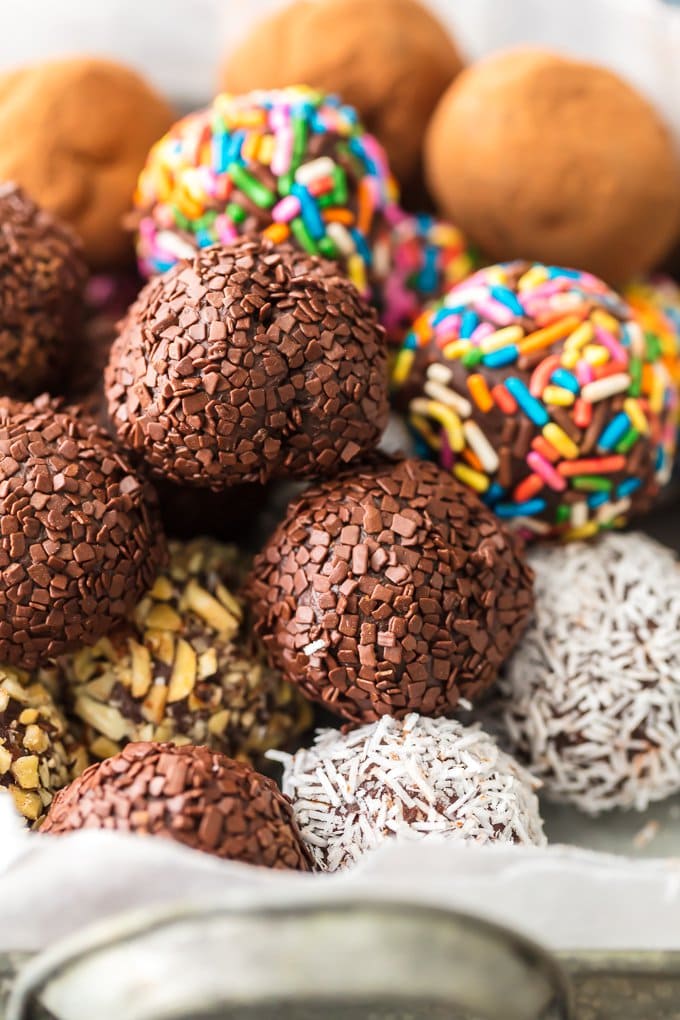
{"points": [[428, 257], [656, 304], [293, 164], [537, 387]]}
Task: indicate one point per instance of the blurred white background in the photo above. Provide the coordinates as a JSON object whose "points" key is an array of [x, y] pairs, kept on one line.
{"points": [[180, 43]]}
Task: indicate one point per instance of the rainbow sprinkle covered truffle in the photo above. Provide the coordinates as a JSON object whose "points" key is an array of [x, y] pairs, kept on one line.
{"points": [[293, 164], [537, 387], [427, 258], [655, 300]]}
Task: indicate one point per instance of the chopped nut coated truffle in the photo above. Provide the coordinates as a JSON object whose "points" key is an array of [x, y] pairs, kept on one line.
{"points": [[186, 667], [37, 756]]}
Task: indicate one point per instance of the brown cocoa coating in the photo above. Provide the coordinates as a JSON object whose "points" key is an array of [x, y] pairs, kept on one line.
{"points": [[245, 364], [190, 794], [390, 589], [80, 539], [391, 59], [538, 156], [75, 135], [42, 280]]}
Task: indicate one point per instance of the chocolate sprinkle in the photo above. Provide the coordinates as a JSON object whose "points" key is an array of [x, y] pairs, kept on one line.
{"points": [[248, 363], [79, 536], [198, 797], [389, 590], [42, 278]]}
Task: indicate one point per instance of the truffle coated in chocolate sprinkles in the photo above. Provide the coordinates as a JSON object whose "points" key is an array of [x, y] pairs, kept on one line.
{"points": [[42, 279], [388, 590], [79, 535], [196, 796], [248, 363]]}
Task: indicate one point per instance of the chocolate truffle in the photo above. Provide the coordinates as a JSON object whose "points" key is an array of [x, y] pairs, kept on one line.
{"points": [[391, 59], [75, 134], [37, 755], [79, 535], [293, 165], [248, 363], [390, 589], [590, 698], [190, 794], [536, 387], [42, 279], [427, 258], [186, 668], [410, 779], [539, 156]]}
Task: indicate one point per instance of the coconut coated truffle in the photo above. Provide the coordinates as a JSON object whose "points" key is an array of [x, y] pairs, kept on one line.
{"points": [[42, 280], [539, 156], [75, 135], [391, 59], [388, 590], [537, 387], [37, 755], [245, 364], [411, 779], [80, 539], [293, 165], [186, 667], [189, 794], [590, 698]]}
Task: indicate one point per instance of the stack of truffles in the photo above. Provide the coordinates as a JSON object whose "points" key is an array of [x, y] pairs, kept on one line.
{"points": [[205, 544]]}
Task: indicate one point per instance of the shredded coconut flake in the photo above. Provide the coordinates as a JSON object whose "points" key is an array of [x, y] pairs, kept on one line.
{"points": [[410, 778], [591, 698]]}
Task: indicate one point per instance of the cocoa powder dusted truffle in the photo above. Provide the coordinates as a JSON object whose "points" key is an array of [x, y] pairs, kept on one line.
{"points": [[42, 280], [75, 132], [392, 59], [79, 534], [539, 156], [37, 755], [388, 590], [247, 363], [186, 668], [190, 794]]}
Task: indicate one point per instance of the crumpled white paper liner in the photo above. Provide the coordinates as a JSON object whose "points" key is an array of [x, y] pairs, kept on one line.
{"points": [[565, 898]]}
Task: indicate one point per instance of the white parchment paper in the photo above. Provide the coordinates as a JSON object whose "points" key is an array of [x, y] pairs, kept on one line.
{"points": [[51, 886]]}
